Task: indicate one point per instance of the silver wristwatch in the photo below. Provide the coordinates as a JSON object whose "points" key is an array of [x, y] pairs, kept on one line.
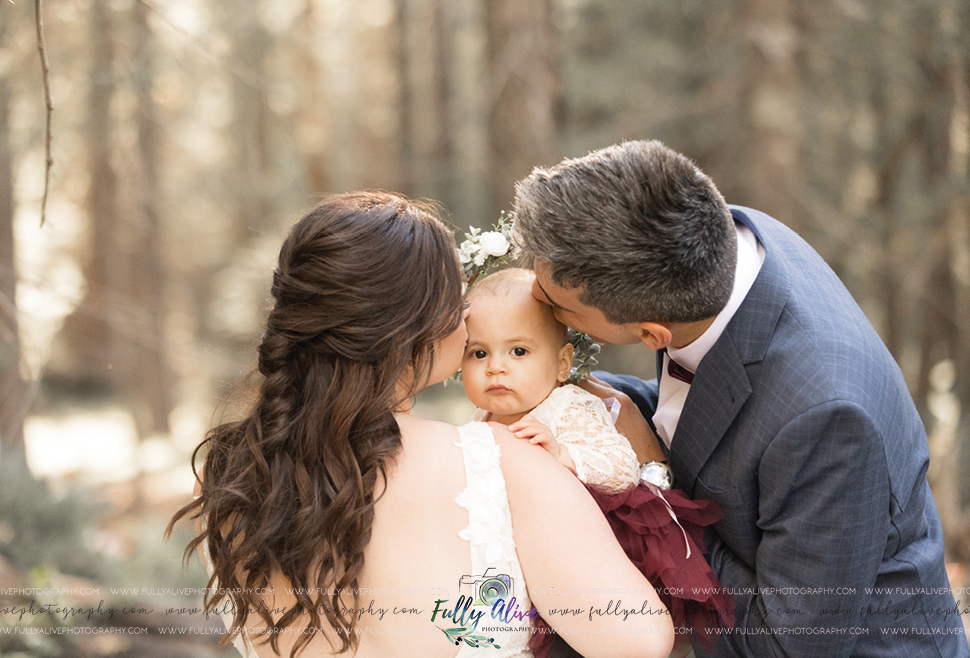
{"points": [[657, 474]]}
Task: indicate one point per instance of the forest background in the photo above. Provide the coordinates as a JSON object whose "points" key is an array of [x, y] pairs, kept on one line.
{"points": [[187, 136]]}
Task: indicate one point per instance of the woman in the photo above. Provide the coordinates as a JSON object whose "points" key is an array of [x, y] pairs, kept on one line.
{"points": [[333, 521]]}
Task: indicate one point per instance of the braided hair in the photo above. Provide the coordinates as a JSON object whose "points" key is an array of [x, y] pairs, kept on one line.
{"points": [[365, 286]]}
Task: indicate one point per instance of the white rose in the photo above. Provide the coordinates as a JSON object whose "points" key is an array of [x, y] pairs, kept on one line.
{"points": [[494, 243]]}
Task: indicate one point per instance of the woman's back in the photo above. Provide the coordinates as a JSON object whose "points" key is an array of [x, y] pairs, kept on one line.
{"points": [[416, 561], [413, 555]]}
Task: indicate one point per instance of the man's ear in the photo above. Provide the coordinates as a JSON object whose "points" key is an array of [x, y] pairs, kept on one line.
{"points": [[655, 336], [565, 361]]}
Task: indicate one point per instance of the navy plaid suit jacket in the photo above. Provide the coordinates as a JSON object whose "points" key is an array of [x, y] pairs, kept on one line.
{"points": [[800, 426]]}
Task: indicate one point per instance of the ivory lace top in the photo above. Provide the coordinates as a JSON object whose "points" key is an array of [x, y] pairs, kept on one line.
{"points": [[582, 425]]}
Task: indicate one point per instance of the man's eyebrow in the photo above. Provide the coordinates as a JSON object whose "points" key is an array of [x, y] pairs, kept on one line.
{"points": [[548, 297]]}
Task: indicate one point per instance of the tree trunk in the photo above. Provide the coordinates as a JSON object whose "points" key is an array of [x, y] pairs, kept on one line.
{"points": [[250, 171], [443, 155], [149, 365], [405, 131], [524, 81], [14, 397], [84, 355], [769, 95], [470, 191], [313, 121], [959, 213]]}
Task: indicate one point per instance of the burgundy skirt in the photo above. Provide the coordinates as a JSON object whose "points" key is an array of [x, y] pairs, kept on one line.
{"points": [[658, 546]]}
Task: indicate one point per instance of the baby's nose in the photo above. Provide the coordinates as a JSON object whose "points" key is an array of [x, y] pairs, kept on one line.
{"points": [[496, 363]]}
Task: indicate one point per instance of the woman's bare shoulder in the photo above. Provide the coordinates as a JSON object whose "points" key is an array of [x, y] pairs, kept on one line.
{"points": [[427, 442], [409, 424]]}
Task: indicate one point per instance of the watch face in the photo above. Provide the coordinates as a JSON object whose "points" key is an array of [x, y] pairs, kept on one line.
{"points": [[657, 474]]}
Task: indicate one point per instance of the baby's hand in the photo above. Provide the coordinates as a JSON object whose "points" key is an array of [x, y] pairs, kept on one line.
{"points": [[529, 428]]}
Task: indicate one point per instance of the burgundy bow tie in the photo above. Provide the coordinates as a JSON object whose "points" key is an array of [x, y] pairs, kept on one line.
{"points": [[678, 371]]}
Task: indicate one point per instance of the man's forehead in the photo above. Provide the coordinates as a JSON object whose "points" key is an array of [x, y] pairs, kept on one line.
{"points": [[561, 297], [541, 269], [545, 294]]}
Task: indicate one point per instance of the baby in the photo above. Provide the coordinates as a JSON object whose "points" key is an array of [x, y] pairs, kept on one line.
{"points": [[514, 369]]}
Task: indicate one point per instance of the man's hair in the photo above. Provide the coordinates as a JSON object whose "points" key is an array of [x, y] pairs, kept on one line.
{"points": [[638, 227]]}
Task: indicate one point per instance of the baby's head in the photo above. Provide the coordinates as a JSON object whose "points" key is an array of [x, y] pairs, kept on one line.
{"points": [[517, 351]]}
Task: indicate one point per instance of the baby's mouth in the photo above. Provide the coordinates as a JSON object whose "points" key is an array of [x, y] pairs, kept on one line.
{"points": [[496, 388]]}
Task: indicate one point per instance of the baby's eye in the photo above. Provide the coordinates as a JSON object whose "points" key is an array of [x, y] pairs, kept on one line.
{"points": [[479, 354], [519, 351]]}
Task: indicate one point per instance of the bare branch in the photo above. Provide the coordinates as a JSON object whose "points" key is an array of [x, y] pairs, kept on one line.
{"points": [[45, 65]]}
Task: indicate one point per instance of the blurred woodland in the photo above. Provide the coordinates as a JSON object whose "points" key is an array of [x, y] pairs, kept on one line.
{"points": [[187, 136]]}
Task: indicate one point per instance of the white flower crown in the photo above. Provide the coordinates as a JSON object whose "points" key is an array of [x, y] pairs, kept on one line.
{"points": [[481, 252]]}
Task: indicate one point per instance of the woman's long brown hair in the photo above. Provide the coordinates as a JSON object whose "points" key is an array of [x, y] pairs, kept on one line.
{"points": [[366, 284]]}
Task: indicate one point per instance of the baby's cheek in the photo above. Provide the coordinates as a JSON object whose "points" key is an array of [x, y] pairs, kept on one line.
{"points": [[470, 376]]}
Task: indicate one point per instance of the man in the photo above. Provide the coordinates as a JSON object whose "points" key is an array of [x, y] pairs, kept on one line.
{"points": [[776, 398]]}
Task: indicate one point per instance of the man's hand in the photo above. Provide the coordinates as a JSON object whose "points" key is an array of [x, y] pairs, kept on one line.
{"points": [[536, 433], [630, 422]]}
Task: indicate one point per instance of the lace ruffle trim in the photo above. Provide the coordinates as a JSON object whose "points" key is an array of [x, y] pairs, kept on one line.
{"points": [[489, 520]]}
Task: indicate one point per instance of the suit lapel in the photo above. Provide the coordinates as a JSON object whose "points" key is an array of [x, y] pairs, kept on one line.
{"points": [[719, 391], [721, 385]]}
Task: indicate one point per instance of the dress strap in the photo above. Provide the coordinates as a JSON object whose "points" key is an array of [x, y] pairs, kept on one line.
{"points": [[496, 573], [489, 528]]}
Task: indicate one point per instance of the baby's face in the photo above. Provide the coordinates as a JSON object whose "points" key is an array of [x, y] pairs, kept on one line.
{"points": [[515, 355]]}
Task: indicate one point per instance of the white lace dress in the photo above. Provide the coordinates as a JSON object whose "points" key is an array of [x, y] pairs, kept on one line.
{"points": [[582, 425], [489, 533]]}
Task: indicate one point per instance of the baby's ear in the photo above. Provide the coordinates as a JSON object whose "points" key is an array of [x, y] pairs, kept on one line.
{"points": [[565, 361]]}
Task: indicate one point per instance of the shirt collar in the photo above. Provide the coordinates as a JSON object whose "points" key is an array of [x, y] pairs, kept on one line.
{"points": [[751, 256]]}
